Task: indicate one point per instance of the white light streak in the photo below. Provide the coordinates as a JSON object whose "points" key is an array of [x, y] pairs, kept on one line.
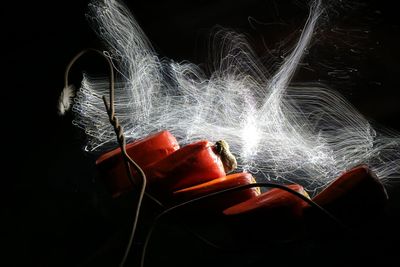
{"points": [[307, 134]]}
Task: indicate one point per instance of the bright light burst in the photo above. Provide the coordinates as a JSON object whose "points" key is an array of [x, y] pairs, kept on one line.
{"points": [[306, 134]]}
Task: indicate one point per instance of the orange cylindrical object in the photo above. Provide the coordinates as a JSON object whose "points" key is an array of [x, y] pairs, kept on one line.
{"points": [[144, 152], [272, 200], [354, 197], [276, 210], [190, 165], [222, 201]]}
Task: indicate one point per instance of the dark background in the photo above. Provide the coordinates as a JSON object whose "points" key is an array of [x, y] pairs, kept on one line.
{"points": [[58, 214]]}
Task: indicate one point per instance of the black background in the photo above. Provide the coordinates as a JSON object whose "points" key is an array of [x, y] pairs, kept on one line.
{"points": [[57, 214]]}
